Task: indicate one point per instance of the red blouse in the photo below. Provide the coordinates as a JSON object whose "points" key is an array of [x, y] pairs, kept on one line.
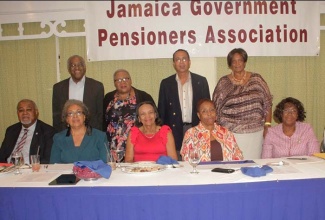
{"points": [[147, 148]]}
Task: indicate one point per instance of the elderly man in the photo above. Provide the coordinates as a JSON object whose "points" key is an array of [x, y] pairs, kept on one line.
{"points": [[29, 136], [79, 87], [178, 96]]}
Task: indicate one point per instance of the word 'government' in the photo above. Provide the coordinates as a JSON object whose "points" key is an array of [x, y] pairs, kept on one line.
{"points": [[172, 8]]}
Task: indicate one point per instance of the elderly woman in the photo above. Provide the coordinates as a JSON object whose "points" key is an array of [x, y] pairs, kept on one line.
{"points": [[148, 140], [79, 141], [119, 108], [244, 104], [214, 141], [292, 137]]}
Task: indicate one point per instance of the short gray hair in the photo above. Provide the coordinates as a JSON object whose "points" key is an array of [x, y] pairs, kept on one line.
{"points": [[121, 70], [71, 102], [80, 57], [28, 100]]}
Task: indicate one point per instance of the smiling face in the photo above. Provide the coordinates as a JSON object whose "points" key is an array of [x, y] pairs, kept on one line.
{"points": [[237, 63], [289, 114], [75, 116], [181, 62], [147, 115], [122, 82], [76, 68], [207, 113], [27, 113]]}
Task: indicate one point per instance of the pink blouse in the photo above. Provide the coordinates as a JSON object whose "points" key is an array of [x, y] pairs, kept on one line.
{"points": [[302, 143], [149, 148]]}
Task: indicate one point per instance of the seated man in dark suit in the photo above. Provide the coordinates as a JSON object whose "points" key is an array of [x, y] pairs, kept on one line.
{"points": [[29, 136]]}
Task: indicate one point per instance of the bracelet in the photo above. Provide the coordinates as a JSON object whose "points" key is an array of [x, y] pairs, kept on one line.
{"points": [[267, 123]]}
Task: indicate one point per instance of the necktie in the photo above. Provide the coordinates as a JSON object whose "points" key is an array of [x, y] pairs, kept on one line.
{"points": [[22, 141]]}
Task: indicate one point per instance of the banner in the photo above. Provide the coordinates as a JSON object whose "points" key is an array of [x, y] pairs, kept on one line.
{"points": [[121, 30]]}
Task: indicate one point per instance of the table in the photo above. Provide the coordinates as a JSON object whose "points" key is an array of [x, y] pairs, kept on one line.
{"points": [[295, 191]]}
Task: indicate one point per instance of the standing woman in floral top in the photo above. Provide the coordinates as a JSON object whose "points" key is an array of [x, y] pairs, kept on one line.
{"points": [[244, 104], [119, 108], [213, 141]]}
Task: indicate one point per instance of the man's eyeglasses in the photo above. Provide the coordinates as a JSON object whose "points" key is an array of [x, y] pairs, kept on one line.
{"points": [[73, 65], [122, 80], [77, 113], [178, 60]]}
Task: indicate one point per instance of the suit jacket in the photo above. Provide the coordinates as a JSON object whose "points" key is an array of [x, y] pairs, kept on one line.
{"points": [[93, 99], [140, 95], [91, 148], [169, 106], [43, 137]]}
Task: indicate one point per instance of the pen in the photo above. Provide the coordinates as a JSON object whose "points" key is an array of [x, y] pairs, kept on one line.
{"points": [[297, 158]]}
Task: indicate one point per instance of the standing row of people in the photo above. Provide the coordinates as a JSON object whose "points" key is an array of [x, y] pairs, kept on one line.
{"points": [[232, 125]]}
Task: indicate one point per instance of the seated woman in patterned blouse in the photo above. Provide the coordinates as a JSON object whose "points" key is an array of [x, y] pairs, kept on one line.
{"points": [[214, 141], [292, 137], [148, 140]]}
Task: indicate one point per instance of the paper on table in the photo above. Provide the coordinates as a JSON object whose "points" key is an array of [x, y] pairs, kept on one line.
{"points": [[37, 177], [308, 160]]}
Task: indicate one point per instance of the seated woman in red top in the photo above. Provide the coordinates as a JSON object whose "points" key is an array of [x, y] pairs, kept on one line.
{"points": [[148, 140]]}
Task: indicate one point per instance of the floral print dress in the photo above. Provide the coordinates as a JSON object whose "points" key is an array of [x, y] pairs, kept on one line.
{"points": [[120, 115]]}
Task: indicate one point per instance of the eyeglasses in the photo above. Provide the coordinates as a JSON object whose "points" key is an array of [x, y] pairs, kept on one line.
{"points": [[290, 111], [178, 60], [77, 113], [207, 111], [122, 80], [76, 65]]}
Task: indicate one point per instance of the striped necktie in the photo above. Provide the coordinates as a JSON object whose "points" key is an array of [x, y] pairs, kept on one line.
{"points": [[22, 141]]}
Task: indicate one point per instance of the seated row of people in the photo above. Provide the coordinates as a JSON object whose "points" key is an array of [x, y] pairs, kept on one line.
{"points": [[149, 139]]}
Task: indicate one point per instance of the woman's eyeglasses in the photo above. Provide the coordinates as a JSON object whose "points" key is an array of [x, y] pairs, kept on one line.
{"points": [[77, 113], [122, 80], [290, 111]]}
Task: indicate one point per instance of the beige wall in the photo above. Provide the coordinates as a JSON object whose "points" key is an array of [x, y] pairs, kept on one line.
{"points": [[28, 70]]}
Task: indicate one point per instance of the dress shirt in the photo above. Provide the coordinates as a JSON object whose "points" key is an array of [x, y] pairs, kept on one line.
{"points": [[185, 93], [76, 90], [302, 143], [26, 148]]}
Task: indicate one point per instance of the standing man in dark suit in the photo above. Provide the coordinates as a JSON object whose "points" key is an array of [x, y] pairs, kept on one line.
{"points": [[39, 135], [178, 96], [79, 87]]}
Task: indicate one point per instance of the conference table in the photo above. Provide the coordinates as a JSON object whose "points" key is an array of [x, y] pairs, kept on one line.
{"points": [[294, 190]]}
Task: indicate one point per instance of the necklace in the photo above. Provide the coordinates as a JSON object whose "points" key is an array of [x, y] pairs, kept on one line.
{"points": [[118, 96], [150, 136], [238, 81]]}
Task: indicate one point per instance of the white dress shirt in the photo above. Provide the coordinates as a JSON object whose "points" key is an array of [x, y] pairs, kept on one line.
{"points": [[76, 90], [185, 94]]}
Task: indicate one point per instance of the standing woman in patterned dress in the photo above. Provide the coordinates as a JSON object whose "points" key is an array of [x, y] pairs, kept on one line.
{"points": [[244, 104], [119, 109]]}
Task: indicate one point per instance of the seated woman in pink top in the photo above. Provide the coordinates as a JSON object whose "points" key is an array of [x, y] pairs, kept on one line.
{"points": [[148, 140], [292, 137]]}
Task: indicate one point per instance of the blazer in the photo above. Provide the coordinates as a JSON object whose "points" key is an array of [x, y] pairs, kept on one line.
{"points": [[169, 107], [140, 95], [92, 147], [93, 99], [43, 137]]}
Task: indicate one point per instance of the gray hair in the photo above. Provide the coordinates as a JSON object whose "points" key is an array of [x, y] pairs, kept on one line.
{"points": [[121, 70], [28, 100], [80, 57], [71, 102]]}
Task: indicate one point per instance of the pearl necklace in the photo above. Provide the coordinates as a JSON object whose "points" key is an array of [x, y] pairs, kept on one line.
{"points": [[150, 136], [238, 81]]}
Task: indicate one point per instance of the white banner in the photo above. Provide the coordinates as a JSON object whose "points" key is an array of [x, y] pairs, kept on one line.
{"points": [[120, 30]]}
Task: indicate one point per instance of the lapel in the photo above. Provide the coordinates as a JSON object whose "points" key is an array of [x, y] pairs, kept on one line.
{"points": [[14, 137], [65, 90], [174, 93], [86, 96], [36, 139]]}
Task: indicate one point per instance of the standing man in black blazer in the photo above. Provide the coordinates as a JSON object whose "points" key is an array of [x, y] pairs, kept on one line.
{"points": [[79, 87], [178, 96], [39, 135]]}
